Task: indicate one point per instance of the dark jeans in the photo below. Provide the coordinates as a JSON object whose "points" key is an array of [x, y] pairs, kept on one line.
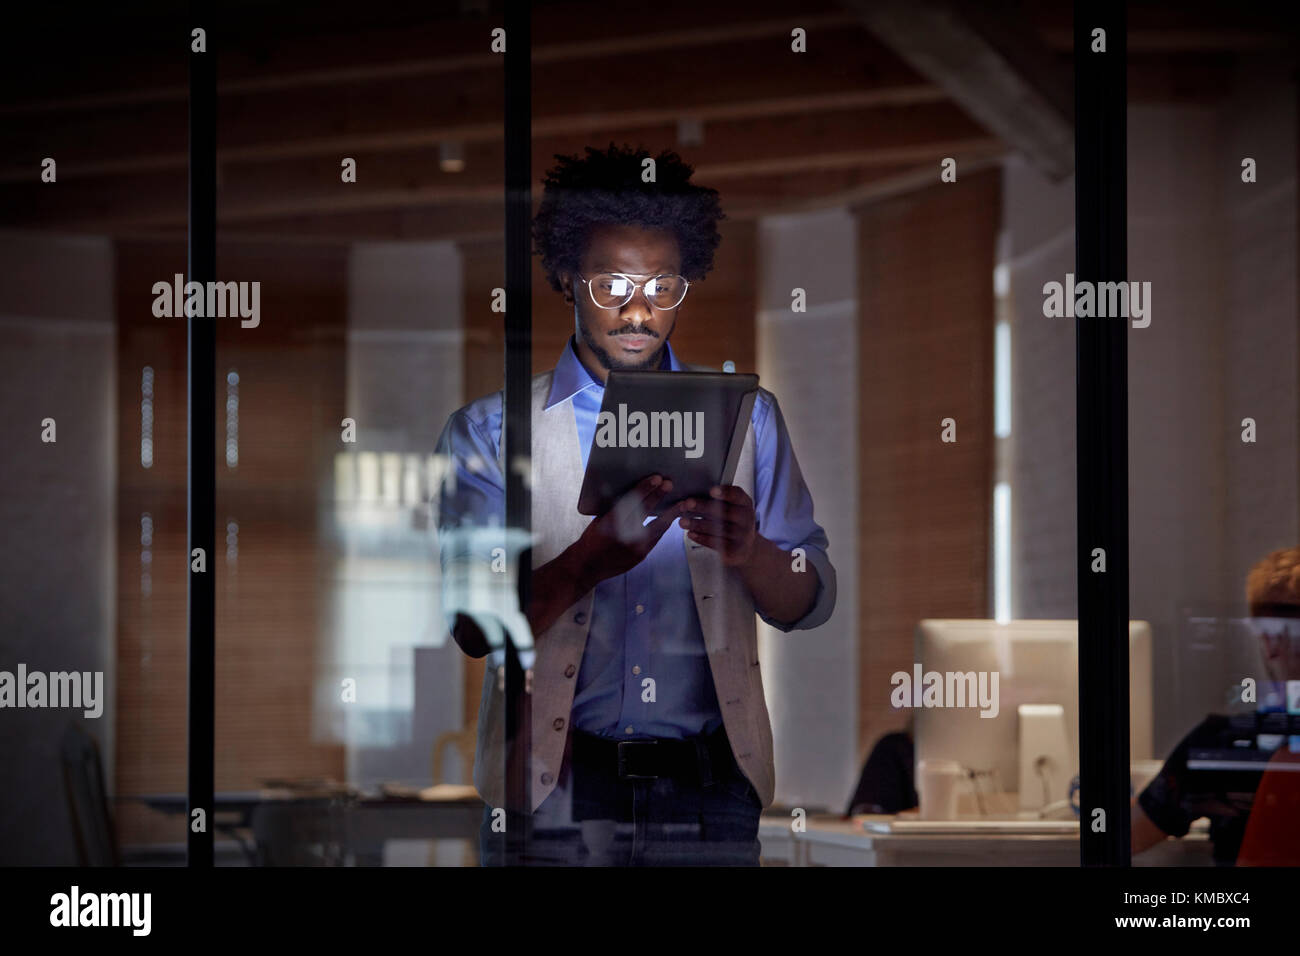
{"points": [[595, 818]]}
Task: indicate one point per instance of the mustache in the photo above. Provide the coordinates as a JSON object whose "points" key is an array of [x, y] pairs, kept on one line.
{"points": [[635, 330]]}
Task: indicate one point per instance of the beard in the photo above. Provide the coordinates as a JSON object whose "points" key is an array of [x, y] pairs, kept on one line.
{"points": [[609, 362]]}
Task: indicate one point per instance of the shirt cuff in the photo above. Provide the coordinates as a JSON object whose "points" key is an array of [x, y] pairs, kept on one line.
{"points": [[824, 604]]}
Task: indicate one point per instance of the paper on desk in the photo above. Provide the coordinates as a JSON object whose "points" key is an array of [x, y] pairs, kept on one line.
{"points": [[449, 792]]}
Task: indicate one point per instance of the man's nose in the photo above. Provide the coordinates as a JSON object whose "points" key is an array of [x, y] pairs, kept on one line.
{"points": [[637, 310]]}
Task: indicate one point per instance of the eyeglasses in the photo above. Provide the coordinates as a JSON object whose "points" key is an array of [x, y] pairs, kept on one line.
{"points": [[613, 290]]}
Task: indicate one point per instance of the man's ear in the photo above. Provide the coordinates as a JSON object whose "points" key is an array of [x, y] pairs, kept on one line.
{"points": [[566, 283]]}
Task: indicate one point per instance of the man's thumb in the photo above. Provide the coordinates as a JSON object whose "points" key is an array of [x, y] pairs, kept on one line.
{"points": [[657, 527]]}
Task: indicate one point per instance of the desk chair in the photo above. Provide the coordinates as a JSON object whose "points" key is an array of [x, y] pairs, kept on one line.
{"points": [[83, 782], [464, 741], [886, 784], [93, 830]]}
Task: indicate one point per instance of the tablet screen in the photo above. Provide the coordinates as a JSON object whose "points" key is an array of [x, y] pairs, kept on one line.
{"points": [[686, 426]]}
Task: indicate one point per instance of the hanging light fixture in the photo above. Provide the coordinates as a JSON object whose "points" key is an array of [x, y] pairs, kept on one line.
{"points": [[451, 156]]}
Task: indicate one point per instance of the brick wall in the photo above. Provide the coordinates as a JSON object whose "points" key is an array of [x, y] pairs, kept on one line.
{"points": [[925, 353]]}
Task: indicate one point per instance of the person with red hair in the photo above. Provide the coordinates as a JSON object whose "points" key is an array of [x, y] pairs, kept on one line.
{"points": [[1254, 814]]}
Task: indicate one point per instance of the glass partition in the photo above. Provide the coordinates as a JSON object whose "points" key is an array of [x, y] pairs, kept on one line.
{"points": [[92, 592], [1213, 456], [362, 187], [797, 366]]}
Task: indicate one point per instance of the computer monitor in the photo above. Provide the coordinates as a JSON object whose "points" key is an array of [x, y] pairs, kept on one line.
{"points": [[1036, 662], [1234, 737]]}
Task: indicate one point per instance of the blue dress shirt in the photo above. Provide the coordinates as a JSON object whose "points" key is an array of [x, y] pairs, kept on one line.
{"points": [[643, 623]]}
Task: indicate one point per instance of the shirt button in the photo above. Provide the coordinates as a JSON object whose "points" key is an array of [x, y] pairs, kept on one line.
{"points": [[640, 608], [558, 723], [636, 669], [546, 779], [627, 729], [580, 617], [569, 671]]}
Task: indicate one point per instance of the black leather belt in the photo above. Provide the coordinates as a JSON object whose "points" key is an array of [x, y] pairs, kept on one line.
{"points": [[703, 759]]}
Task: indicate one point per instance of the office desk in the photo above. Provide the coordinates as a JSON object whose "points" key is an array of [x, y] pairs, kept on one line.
{"points": [[232, 812], [376, 821], [831, 841]]}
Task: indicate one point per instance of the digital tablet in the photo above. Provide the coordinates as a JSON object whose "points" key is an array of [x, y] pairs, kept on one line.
{"points": [[687, 426]]}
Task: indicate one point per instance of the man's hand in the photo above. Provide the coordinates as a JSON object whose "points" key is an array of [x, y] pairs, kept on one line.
{"points": [[619, 540], [611, 544], [725, 522]]}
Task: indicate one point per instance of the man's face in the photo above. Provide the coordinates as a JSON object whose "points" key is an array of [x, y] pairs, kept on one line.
{"points": [[635, 335]]}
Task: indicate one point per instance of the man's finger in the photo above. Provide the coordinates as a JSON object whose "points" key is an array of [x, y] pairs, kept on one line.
{"points": [[719, 510], [652, 487], [732, 493], [630, 511], [717, 526], [655, 529], [716, 542]]}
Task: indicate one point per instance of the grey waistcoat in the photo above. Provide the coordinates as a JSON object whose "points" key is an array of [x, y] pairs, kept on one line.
{"points": [[725, 608]]}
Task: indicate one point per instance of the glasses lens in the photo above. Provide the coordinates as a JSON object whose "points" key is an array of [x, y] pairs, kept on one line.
{"points": [[613, 291], [610, 291], [664, 292]]}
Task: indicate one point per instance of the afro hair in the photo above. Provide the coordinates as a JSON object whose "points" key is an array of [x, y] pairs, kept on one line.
{"points": [[606, 186]]}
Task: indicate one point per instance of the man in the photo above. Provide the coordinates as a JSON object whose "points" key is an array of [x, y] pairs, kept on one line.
{"points": [[1254, 814], [651, 742]]}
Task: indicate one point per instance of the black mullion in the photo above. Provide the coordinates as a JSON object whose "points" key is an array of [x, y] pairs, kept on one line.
{"points": [[201, 431], [1101, 250], [518, 376]]}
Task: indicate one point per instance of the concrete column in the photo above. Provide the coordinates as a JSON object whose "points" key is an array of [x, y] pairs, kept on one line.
{"points": [[58, 572], [809, 361]]}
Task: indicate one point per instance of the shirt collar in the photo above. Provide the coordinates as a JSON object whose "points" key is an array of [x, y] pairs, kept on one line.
{"points": [[572, 377]]}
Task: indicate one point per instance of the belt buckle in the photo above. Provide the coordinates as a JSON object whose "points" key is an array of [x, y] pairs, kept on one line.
{"points": [[622, 760]]}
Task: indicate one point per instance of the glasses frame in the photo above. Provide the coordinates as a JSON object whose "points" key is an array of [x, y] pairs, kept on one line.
{"points": [[637, 287]]}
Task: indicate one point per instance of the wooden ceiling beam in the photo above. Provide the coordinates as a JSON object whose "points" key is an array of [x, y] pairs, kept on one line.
{"points": [[809, 143], [255, 62], [998, 71], [847, 67], [762, 192], [811, 166]]}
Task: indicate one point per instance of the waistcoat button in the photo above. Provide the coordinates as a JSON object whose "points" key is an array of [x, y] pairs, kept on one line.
{"points": [[580, 617], [559, 723], [570, 671]]}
